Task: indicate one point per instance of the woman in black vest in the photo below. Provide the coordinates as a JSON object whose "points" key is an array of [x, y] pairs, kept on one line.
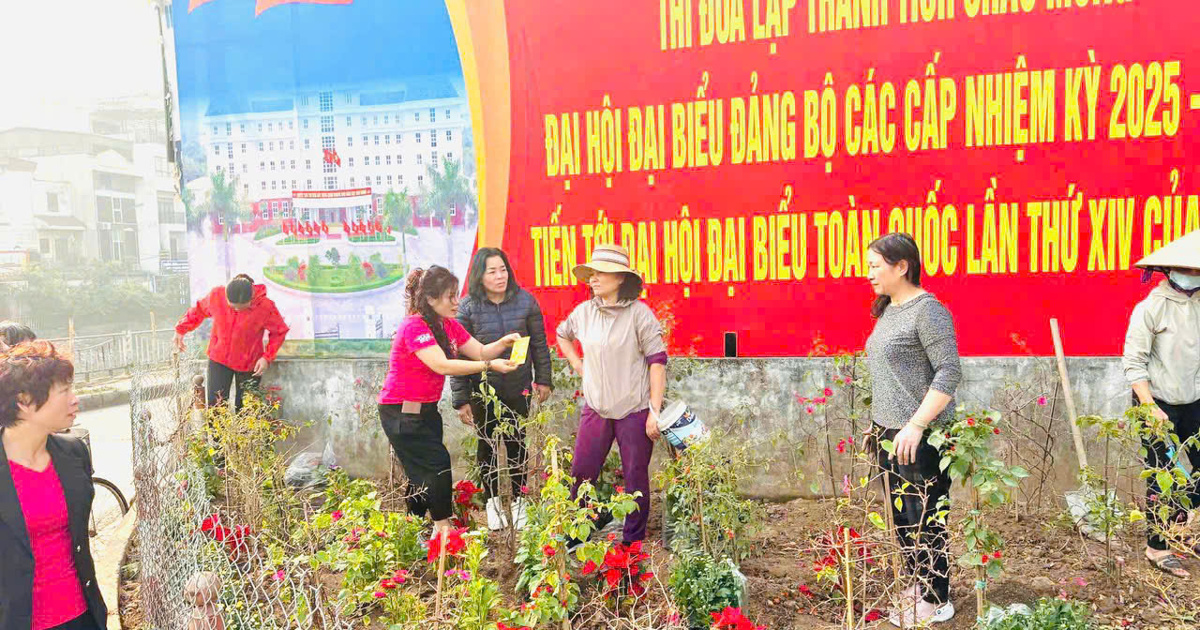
{"points": [[495, 307]]}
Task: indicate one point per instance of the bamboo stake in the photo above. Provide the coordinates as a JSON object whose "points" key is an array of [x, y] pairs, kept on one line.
{"points": [[441, 576], [849, 582]]}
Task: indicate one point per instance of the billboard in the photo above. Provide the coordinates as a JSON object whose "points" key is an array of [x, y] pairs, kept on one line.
{"points": [[327, 150], [747, 151]]}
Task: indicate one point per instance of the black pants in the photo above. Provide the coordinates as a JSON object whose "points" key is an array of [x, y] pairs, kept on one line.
{"points": [[220, 382], [486, 423], [82, 622], [925, 541], [1186, 419], [417, 441]]}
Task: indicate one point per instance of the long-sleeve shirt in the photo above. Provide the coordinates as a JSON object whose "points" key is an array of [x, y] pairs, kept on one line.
{"points": [[620, 341], [237, 336], [911, 351], [1162, 345]]}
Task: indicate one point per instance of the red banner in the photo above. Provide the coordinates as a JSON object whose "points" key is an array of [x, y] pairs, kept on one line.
{"points": [[747, 151]]}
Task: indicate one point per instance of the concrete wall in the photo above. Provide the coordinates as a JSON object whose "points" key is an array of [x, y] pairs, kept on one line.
{"points": [[753, 401]]}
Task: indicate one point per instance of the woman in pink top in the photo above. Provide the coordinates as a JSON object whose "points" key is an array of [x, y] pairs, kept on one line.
{"points": [[48, 580], [424, 352]]}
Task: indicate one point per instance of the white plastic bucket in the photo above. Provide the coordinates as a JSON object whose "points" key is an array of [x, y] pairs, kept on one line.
{"points": [[679, 424]]}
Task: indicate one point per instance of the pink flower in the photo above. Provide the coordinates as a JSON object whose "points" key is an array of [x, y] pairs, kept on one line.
{"points": [[337, 516], [279, 575], [525, 392], [841, 446], [524, 489], [809, 409], [846, 487], [1080, 582], [400, 576], [1041, 401], [380, 594], [801, 399], [828, 392]]}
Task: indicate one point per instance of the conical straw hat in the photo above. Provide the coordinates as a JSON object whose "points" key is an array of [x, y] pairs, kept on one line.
{"points": [[1182, 253]]}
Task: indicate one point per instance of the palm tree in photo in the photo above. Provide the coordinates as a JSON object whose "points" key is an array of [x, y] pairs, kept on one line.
{"points": [[448, 191], [397, 212], [223, 203]]}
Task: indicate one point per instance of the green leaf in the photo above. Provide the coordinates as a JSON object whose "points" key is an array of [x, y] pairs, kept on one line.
{"points": [[1165, 480], [888, 446], [899, 503], [994, 569], [877, 521]]}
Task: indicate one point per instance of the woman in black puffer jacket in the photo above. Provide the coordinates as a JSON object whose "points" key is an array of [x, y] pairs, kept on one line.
{"points": [[495, 307]]}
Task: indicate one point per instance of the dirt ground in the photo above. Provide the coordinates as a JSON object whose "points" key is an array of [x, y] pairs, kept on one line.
{"points": [[1044, 557]]}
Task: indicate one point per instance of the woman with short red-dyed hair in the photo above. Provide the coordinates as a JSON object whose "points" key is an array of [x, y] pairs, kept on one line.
{"points": [[49, 579]]}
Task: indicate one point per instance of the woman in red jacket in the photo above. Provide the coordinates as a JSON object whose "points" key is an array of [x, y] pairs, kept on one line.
{"points": [[241, 314]]}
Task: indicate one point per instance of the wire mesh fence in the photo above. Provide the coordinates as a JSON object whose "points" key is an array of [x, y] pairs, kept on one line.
{"points": [[196, 568]]}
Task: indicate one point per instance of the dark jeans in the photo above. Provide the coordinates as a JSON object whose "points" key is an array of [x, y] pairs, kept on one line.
{"points": [[220, 382], [82, 622], [417, 441], [925, 542], [1186, 419], [592, 443], [486, 423]]}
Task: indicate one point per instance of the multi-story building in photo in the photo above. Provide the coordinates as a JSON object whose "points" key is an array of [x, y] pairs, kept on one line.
{"points": [[71, 197], [383, 139]]}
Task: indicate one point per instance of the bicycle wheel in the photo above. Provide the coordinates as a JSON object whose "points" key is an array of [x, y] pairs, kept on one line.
{"points": [[108, 506]]}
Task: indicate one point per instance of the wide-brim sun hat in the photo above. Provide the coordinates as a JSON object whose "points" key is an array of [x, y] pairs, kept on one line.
{"points": [[608, 259], [1182, 253]]}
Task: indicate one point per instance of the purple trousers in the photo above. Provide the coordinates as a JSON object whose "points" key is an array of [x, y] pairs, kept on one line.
{"points": [[592, 444]]}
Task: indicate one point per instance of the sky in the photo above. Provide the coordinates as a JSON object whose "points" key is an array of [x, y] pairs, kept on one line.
{"points": [[61, 56], [224, 49]]}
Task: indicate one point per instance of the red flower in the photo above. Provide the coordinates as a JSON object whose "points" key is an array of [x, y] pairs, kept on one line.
{"points": [[996, 555], [806, 590], [548, 551], [465, 491], [984, 559], [873, 615], [589, 568], [733, 619], [619, 489], [996, 431], [454, 544], [500, 625], [828, 392], [819, 401], [970, 422], [841, 446], [387, 584]]}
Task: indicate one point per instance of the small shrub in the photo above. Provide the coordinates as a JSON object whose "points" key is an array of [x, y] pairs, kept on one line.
{"points": [[1048, 614], [702, 586]]}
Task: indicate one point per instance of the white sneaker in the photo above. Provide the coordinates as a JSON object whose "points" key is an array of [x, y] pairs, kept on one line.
{"points": [[921, 615], [495, 516]]}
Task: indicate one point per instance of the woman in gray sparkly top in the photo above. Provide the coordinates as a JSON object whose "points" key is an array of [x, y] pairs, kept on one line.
{"points": [[912, 355]]}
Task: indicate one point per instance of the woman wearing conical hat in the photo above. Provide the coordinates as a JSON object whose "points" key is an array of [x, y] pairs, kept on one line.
{"points": [[624, 370], [1162, 363]]}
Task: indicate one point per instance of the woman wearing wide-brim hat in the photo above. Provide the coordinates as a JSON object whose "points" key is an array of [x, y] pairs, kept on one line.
{"points": [[624, 370], [1162, 363]]}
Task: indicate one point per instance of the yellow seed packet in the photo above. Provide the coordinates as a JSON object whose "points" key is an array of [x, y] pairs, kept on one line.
{"points": [[519, 350]]}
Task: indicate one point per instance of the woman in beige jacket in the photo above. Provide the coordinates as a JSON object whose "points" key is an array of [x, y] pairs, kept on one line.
{"points": [[1162, 364]]}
